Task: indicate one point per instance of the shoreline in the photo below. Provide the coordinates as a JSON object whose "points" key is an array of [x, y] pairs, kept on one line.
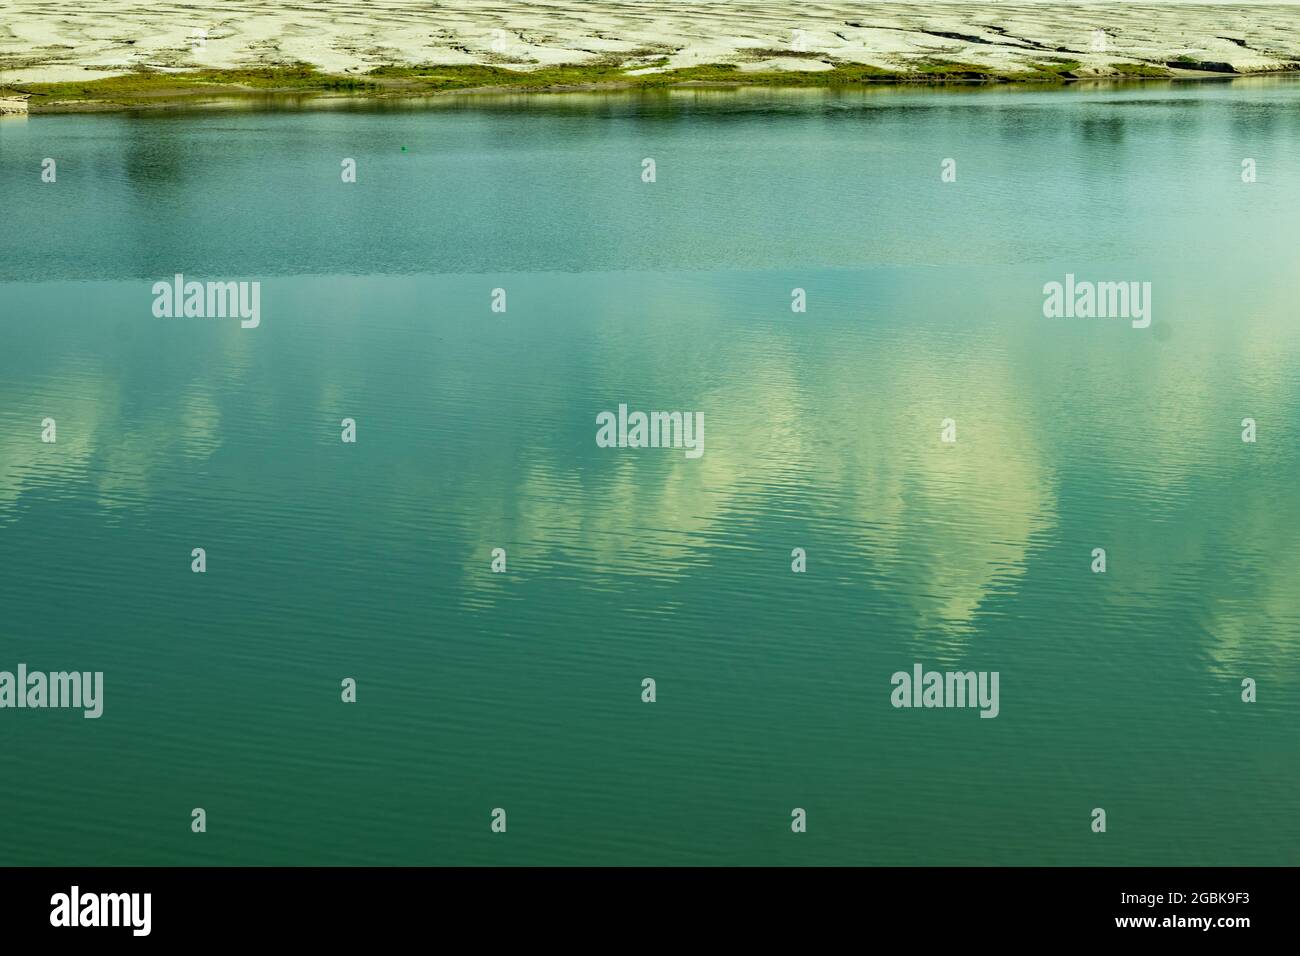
{"points": [[153, 90]]}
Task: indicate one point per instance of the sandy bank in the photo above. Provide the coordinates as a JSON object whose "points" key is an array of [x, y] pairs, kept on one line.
{"points": [[43, 42]]}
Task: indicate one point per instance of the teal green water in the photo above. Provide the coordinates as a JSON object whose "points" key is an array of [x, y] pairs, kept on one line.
{"points": [[476, 430]]}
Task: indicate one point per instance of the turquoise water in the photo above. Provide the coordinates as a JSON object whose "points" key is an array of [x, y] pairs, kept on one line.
{"points": [[476, 430]]}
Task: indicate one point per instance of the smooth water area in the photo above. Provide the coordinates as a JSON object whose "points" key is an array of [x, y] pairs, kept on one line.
{"points": [[476, 430]]}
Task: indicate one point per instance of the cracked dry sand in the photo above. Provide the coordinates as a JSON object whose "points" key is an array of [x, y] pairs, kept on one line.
{"points": [[40, 42]]}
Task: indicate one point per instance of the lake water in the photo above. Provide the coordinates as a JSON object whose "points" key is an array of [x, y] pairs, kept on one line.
{"points": [[476, 430]]}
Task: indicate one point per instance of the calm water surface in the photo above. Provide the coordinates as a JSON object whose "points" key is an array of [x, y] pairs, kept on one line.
{"points": [[476, 431]]}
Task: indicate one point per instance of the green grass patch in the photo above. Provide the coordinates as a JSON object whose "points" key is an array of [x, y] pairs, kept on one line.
{"points": [[434, 77], [1140, 69], [438, 78], [1058, 68], [154, 84], [956, 70]]}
